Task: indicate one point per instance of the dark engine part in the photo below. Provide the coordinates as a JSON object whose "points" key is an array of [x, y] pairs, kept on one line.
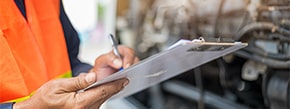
{"points": [[277, 90]]}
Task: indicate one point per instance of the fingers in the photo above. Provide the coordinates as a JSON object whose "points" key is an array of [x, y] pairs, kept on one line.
{"points": [[136, 60], [101, 93], [111, 60], [108, 60], [77, 83], [128, 56], [109, 63]]}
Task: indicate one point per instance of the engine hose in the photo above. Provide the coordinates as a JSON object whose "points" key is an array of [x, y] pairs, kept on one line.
{"points": [[279, 36], [266, 54], [275, 89], [274, 36], [253, 49], [283, 31], [261, 26], [285, 22], [222, 73], [269, 62]]}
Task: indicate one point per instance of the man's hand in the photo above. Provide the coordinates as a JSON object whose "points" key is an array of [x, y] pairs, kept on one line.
{"points": [[62, 93], [109, 63]]}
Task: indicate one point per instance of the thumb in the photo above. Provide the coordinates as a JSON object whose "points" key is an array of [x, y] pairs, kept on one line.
{"points": [[80, 82]]}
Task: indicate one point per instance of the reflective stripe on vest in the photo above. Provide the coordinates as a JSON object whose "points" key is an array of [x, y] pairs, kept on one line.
{"points": [[33, 51], [66, 75]]}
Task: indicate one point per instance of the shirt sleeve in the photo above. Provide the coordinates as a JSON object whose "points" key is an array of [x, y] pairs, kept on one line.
{"points": [[6, 105], [72, 43]]}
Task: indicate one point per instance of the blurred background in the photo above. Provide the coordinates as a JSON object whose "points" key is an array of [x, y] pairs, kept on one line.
{"points": [[256, 77]]}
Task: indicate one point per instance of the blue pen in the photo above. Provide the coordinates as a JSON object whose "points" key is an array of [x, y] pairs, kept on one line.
{"points": [[115, 47]]}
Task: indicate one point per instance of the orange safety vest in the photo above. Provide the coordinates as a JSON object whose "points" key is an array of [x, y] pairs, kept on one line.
{"points": [[32, 51]]}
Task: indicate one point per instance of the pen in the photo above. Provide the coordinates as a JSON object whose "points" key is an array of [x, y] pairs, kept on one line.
{"points": [[115, 47]]}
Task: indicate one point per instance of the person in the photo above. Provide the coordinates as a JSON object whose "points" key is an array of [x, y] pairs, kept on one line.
{"points": [[38, 46]]}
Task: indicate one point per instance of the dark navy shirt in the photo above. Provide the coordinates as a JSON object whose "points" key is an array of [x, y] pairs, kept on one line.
{"points": [[72, 42]]}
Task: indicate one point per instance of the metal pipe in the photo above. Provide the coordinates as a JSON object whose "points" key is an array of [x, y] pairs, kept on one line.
{"points": [[199, 84], [156, 97], [191, 93]]}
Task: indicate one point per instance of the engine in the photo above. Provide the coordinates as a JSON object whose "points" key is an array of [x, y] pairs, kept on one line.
{"points": [[255, 77]]}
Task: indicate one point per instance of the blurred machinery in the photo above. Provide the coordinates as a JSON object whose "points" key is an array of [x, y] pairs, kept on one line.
{"points": [[256, 77]]}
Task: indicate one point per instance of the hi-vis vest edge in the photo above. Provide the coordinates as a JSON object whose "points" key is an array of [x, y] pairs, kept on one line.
{"points": [[33, 50]]}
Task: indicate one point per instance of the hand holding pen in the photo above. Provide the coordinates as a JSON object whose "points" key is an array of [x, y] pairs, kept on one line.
{"points": [[115, 48], [120, 57]]}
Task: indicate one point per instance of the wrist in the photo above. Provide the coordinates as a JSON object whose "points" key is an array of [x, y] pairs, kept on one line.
{"points": [[23, 105], [18, 105]]}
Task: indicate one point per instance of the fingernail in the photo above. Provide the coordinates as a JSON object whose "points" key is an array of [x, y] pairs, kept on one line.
{"points": [[117, 62], [125, 83], [90, 77], [127, 65]]}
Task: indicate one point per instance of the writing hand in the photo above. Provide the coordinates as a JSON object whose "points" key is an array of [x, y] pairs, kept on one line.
{"points": [[109, 63]]}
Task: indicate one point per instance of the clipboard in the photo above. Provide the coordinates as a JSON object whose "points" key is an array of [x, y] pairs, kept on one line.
{"points": [[181, 57]]}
